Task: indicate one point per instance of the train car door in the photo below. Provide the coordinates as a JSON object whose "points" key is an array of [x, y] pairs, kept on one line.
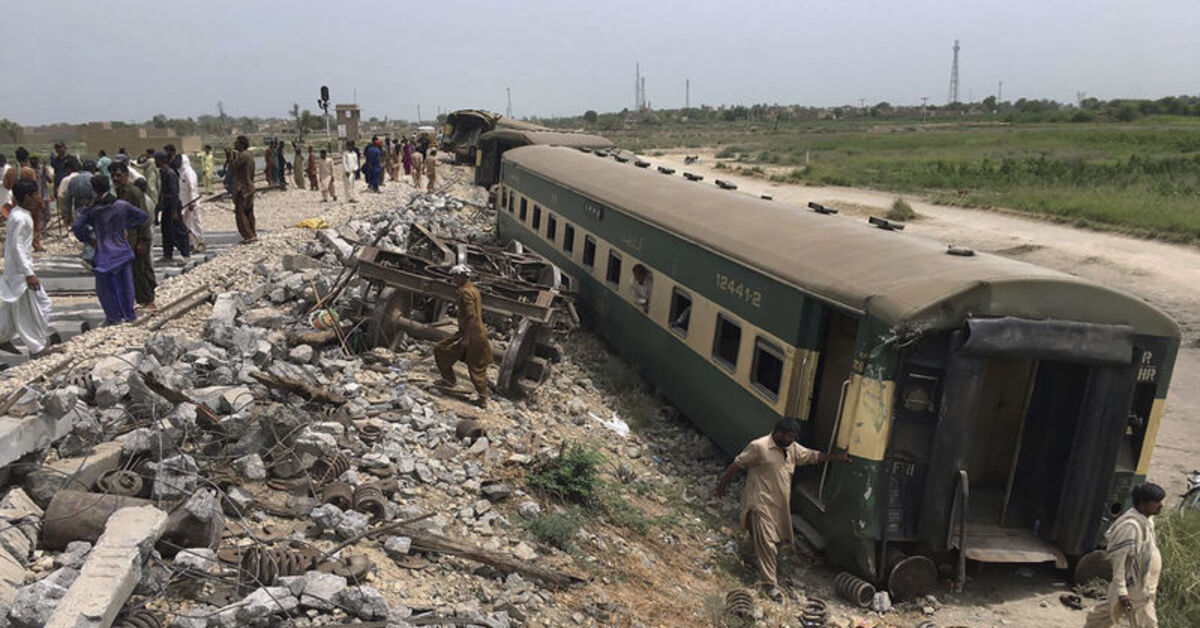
{"points": [[833, 377]]}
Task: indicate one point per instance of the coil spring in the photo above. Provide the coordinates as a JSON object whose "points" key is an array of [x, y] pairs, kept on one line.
{"points": [[369, 500], [121, 482], [262, 565], [83, 380], [339, 494], [370, 434], [330, 468], [139, 618], [469, 428], [814, 614], [854, 589], [739, 603]]}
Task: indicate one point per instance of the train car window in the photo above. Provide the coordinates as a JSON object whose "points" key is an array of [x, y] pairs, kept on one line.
{"points": [[537, 218], [589, 251], [681, 312], [511, 204], [551, 227], [568, 238], [766, 374], [613, 274], [524, 208], [504, 197], [726, 342]]}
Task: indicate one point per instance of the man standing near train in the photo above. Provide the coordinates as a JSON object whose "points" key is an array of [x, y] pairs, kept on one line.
{"points": [[766, 514], [470, 344], [1136, 564]]}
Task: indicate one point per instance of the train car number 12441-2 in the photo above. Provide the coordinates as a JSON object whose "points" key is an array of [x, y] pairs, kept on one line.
{"points": [[739, 290]]}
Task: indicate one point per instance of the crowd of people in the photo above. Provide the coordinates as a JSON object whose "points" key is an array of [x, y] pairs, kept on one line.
{"points": [[111, 204]]}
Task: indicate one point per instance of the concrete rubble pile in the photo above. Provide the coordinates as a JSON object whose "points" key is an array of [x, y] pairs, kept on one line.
{"points": [[209, 481]]}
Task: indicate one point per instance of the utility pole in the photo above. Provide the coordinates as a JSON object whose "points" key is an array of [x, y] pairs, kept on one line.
{"points": [[508, 111], [418, 115], [687, 93], [953, 97], [644, 106], [1000, 93], [924, 103]]}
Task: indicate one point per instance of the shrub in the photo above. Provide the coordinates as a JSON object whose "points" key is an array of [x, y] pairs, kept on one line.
{"points": [[572, 477], [729, 152], [900, 210], [558, 529], [1179, 587]]}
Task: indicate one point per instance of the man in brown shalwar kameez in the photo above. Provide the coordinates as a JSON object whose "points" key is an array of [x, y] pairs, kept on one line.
{"points": [[243, 190], [141, 238], [311, 170], [470, 344], [766, 514]]}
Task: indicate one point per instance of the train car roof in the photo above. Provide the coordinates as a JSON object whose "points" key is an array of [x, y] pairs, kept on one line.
{"points": [[549, 138], [901, 279]]}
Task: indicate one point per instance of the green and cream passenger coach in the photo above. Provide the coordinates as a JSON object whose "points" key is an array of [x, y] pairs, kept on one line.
{"points": [[987, 404]]}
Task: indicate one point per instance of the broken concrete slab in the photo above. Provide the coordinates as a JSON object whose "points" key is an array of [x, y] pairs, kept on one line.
{"points": [[12, 577], [299, 263], [334, 241], [78, 474], [224, 311], [19, 437], [20, 525], [112, 572]]}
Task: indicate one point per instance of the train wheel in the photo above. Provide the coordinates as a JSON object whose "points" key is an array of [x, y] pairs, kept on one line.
{"points": [[1093, 565], [911, 578]]}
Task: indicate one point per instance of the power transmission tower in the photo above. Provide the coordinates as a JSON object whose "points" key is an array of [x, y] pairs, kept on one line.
{"points": [[508, 111], [953, 98], [637, 87]]}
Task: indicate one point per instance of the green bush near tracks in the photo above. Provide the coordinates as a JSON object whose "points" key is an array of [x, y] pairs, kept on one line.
{"points": [[1179, 587]]}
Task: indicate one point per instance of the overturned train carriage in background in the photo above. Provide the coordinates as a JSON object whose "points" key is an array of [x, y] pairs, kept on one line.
{"points": [[492, 146], [463, 129], [988, 405]]}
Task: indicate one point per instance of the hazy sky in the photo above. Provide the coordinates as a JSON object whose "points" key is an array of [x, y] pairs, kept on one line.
{"points": [[89, 60]]}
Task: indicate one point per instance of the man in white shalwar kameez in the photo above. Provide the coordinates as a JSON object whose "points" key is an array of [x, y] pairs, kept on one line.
{"points": [[189, 197], [1136, 565], [24, 305]]}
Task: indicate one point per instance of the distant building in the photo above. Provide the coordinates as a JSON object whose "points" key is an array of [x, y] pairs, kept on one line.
{"points": [[102, 136], [347, 122]]}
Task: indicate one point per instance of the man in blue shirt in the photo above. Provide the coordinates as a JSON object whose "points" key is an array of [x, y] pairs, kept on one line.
{"points": [[104, 226]]}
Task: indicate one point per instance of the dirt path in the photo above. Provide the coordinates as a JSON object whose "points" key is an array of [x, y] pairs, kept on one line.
{"points": [[1163, 274]]}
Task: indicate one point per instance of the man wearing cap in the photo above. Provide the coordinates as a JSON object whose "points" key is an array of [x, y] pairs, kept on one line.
{"points": [[471, 343]]}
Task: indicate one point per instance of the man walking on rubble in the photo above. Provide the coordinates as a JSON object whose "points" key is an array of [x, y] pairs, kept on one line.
{"points": [[470, 344], [1136, 564], [766, 514], [243, 190], [170, 211]]}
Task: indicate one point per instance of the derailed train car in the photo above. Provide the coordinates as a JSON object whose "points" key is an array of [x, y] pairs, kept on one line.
{"points": [[493, 145], [990, 407], [463, 128]]}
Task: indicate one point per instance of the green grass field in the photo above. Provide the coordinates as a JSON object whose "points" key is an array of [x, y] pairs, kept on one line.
{"points": [[1141, 177]]}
